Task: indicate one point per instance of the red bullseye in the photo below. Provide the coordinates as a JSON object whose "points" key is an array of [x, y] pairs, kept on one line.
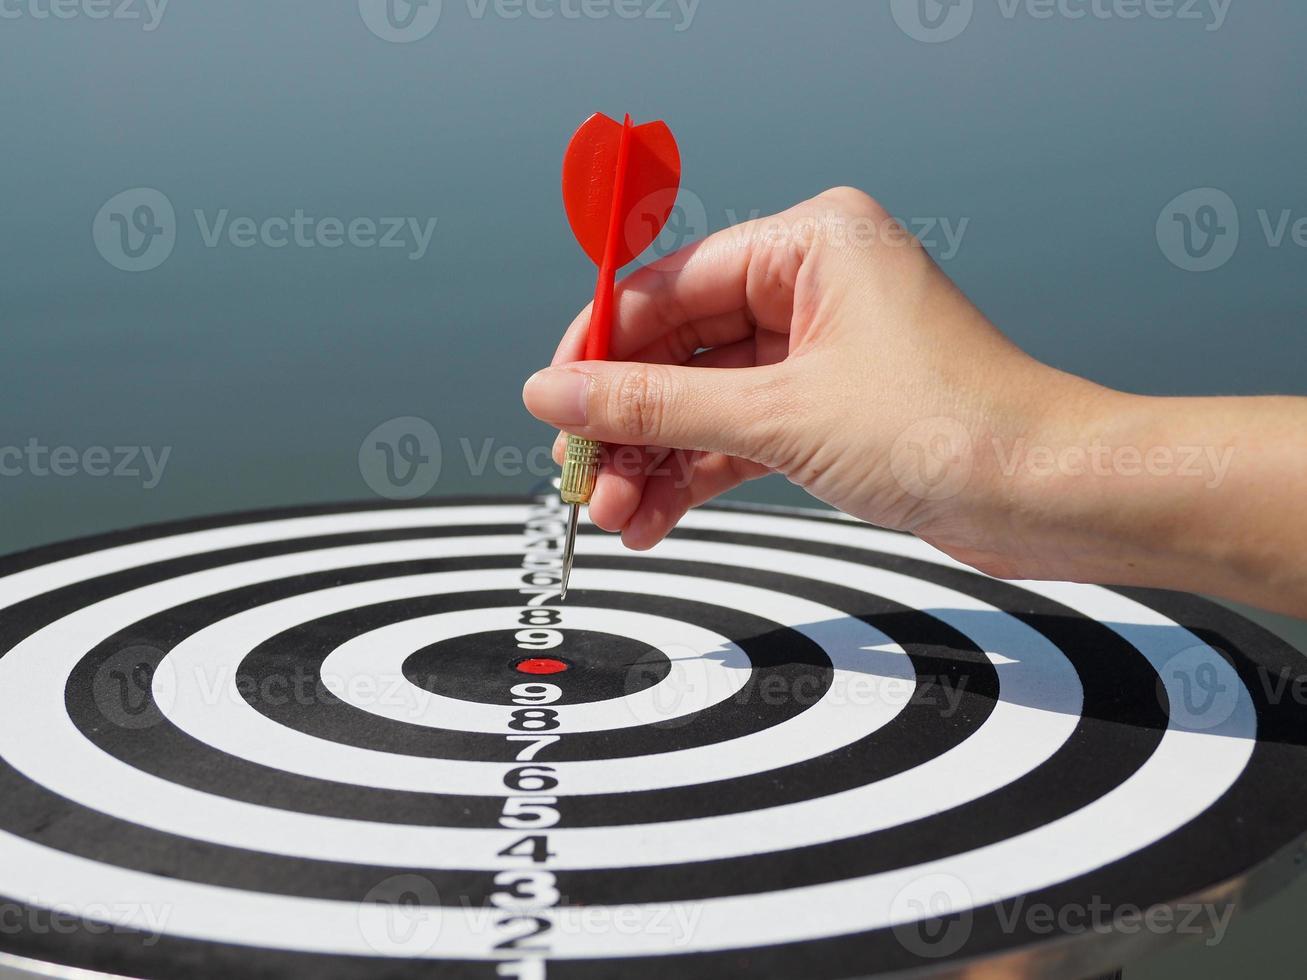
{"points": [[541, 665]]}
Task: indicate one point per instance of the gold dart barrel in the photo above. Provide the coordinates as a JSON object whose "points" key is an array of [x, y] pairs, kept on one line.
{"points": [[580, 469]]}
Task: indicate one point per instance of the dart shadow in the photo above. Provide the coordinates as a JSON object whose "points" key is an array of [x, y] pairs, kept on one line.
{"points": [[1143, 677]]}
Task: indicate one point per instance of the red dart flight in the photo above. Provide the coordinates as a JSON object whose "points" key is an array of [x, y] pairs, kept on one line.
{"points": [[619, 186]]}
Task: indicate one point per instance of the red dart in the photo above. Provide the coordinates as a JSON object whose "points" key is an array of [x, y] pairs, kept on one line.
{"points": [[619, 187]]}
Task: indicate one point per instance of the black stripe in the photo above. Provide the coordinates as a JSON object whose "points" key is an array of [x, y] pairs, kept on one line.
{"points": [[1261, 807], [46, 554], [778, 656], [808, 859], [24, 618], [169, 753]]}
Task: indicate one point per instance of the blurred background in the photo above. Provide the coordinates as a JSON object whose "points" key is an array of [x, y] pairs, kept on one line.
{"points": [[260, 254]]}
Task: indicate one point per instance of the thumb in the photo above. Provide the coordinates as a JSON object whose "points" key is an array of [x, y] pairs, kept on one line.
{"points": [[737, 411]]}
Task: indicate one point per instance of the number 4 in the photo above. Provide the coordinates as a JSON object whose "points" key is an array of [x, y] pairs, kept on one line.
{"points": [[535, 846]]}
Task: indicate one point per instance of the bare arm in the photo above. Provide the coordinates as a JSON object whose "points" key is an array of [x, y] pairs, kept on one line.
{"points": [[1200, 494], [823, 343]]}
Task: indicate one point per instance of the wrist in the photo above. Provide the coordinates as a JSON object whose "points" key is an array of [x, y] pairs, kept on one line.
{"points": [[1044, 500], [1080, 511]]}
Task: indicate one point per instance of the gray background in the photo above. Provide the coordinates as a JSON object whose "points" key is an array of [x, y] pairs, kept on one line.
{"points": [[1059, 140]]}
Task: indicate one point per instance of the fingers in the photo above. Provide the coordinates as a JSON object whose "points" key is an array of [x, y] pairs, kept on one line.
{"points": [[647, 500], [687, 480], [645, 503], [736, 355], [741, 354], [681, 344], [622, 479], [704, 333], [734, 282], [624, 472], [627, 469], [737, 411]]}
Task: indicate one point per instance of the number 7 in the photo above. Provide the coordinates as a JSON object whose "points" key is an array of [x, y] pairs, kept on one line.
{"points": [[538, 742]]}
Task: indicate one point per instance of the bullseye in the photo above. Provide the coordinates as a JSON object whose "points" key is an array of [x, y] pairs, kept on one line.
{"points": [[541, 665]]}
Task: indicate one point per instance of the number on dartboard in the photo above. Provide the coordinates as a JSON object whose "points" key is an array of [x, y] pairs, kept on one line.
{"points": [[529, 812], [538, 579], [539, 596], [534, 926], [539, 628], [541, 639], [534, 744], [531, 779], [522, 969], [525, 890], [533, 846], [535, 693], [534, 720]]}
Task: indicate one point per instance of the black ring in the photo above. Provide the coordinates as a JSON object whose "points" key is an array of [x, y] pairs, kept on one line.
{"points": [[1194, 857]]}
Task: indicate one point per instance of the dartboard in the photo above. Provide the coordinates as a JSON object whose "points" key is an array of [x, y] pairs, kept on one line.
{"points": [[368, 741]]}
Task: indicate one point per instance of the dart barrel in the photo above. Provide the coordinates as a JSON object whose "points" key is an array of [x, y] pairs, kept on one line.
{"points": [[580, 469]]}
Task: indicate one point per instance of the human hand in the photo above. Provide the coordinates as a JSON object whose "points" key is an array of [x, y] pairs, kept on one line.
{"points": [[825, 344], [822, 343]]}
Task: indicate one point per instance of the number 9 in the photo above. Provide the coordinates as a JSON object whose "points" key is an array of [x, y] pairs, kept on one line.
{"points": [[538, 639], [536, 693]]}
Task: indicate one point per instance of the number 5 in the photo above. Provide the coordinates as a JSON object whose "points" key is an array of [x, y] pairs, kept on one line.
{"points": [[529, 812]]}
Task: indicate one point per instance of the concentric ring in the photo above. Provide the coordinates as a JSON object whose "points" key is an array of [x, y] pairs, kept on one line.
{"points": [[200, 796]]}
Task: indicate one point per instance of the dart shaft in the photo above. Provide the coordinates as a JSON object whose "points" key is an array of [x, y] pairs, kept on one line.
{"points": [[598, 336], [601, 317]]}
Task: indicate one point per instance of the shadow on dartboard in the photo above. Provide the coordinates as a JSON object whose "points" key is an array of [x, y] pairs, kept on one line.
{"points": [[371, 741]]}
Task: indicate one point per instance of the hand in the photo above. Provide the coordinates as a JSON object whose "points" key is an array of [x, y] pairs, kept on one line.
{"points": [[805, 344], [824, 343]]}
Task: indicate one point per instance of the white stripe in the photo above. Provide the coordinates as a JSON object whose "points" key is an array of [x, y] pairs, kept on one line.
{"points": [[1183, 777], [704, 668], [46, 578], [864, 660], [1038, 712]]}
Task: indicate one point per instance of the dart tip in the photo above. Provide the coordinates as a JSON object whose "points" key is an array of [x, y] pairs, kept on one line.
{"points": [[569, 549]]}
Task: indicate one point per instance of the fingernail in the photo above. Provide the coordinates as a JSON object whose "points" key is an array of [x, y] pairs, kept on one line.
{"points": [[557, 395]]}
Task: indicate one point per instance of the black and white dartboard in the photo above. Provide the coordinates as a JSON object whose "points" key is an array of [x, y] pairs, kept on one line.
{"points": [[371, 742]]}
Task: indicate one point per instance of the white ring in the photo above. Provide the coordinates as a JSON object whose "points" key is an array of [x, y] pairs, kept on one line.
{"points": [[906, 796], [705, 664], [206, 662], [1166, 792]]}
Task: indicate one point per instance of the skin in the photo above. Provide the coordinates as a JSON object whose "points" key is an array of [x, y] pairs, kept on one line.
{"points": [[823, 343]]}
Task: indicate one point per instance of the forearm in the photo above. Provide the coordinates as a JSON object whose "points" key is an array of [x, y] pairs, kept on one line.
{"points": [[1199, 494], [860, 372]]}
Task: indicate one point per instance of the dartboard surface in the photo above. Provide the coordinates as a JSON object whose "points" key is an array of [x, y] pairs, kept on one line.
{"points": [[371, 741]]}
